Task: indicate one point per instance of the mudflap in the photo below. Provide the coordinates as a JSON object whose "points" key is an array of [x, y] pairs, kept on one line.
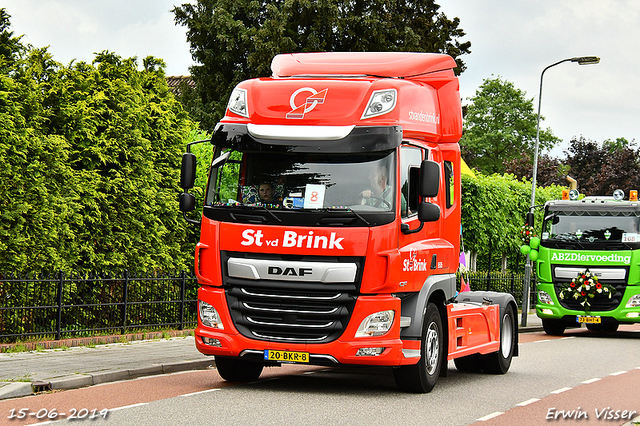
{"points": [[492, 298]]}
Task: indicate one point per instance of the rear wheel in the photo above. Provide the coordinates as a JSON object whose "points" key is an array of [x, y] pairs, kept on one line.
{"points": [[422, 377], [468, 364], [499, 362], [238, 370], [553, 327]]}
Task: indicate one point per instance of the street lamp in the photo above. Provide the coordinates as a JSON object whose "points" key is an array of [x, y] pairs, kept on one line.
{"points": [[581, 60]]}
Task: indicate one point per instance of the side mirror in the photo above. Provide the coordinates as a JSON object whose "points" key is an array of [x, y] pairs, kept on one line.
{"points": [[428, 212], [188, 171], [187, 202], [429, 178]]}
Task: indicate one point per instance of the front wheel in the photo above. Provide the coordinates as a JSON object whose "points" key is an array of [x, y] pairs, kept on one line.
{"points": [[499, 362], [422, 376], [238, 370], [553, 327]]}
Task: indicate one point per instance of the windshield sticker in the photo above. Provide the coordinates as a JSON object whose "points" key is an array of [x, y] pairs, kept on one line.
{"points": [[630, 237], [314, 196], [579, 257]]}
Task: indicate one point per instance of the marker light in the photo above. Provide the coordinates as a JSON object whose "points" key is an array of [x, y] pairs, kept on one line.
{"points": [[547, 311], [544, 297], [238, 102], [380, 102], [209, 316], [376, 324], [633, 315], [618, 195], [633, 195], [574, 194], [634, 301]]}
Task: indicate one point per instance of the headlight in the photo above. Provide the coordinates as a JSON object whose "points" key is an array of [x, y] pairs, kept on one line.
{"points": [[380, 102], [634, 301], [238, 102], [209, 316], [544, 297], [376, 324]]}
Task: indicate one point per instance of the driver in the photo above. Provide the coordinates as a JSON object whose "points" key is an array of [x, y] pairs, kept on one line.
{"points": [[381, 192]]}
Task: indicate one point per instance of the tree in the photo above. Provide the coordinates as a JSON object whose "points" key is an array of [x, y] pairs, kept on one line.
{"points": [[89, 164], [500, 125], [601, 170], [233, 40], [550, 170]]}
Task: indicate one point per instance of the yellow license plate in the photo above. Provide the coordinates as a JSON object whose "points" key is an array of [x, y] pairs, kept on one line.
{"points": [[286, 356], [588, 320]]}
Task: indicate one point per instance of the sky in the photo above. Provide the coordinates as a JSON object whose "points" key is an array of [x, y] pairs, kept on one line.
{"points": [[514, 40]]}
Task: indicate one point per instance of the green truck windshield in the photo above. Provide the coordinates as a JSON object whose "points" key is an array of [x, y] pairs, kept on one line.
{"points": [[591, 229]]}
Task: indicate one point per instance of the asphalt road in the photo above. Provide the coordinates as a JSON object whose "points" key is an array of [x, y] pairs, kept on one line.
{"points": [[583, 371]]}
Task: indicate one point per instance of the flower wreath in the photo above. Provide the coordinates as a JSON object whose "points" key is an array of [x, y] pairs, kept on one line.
{"points": [[585, 287], [526, 233]]}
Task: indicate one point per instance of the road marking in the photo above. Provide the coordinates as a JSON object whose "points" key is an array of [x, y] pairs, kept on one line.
{"points": [[129, 406], [586, 382], [489, 416], [560, 390], [618, 373], [540, 341], [527, 402], [198, 393]]}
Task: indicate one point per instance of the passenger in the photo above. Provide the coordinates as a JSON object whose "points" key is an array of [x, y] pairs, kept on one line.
{"points": [[266, 192]]}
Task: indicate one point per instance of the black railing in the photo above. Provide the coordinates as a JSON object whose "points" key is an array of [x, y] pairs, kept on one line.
{"points": [[506, 282], [85, 304]]}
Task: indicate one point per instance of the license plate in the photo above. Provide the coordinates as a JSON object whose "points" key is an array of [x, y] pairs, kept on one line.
{"points": [[286, 356], [588, 320]]}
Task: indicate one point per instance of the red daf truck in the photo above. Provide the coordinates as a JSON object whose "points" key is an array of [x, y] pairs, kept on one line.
{"points": [[330, 231]]}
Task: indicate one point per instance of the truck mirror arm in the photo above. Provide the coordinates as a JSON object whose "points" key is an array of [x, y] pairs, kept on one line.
{"points": [[406, 230]]}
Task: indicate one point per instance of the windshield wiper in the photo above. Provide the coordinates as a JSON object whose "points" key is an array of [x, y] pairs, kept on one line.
{"points": [[348, 209]]}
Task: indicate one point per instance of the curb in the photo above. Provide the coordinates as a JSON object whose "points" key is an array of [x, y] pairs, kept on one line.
{"points": [[20, 389]]}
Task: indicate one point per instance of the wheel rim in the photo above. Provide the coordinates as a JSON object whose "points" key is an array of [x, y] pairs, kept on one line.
{"points": [[432, 348], [506, 336]]}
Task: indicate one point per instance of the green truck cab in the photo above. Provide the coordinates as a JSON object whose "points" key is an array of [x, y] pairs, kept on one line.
{"points": [[588, 263]]}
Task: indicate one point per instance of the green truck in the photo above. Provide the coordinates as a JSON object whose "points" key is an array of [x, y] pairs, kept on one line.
{"points": [[588, 263]]}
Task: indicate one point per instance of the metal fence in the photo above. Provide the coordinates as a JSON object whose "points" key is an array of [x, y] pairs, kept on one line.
{"points": [[58, 306], [84, 304], [507, 282]]}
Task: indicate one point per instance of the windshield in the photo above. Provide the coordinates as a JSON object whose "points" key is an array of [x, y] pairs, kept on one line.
{"points": [[299, 182], [591, 228]]}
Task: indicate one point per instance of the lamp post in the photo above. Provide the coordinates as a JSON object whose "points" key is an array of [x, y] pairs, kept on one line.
{"points": [[581, 60]]}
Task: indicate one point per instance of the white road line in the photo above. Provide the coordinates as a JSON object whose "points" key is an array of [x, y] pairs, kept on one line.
{"points": [[527, 402], [129, 406], [560, 390], [198, 393], [541, 341], [489, 416], [586, 382], [617, 373]]}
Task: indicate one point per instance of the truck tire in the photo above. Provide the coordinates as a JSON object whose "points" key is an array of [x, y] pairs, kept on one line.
{"points": [[500, 361], [238, 370], [422, 376], [468, 364], [605, 328], [553, 327]]}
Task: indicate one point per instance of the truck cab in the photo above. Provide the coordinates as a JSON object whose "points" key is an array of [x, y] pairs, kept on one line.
{"points": [[596, 238], [330, 231]]}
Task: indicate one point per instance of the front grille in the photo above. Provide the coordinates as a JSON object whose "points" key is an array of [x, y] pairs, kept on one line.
{"points": [[290, 311], [597, 303]]}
